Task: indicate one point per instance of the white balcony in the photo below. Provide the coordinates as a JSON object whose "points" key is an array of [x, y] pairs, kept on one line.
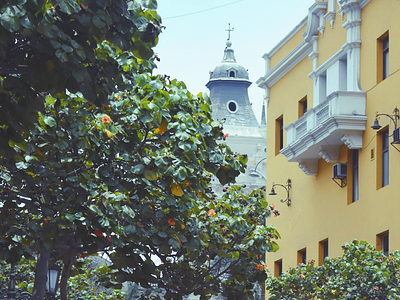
{"points": [[321, 130]]}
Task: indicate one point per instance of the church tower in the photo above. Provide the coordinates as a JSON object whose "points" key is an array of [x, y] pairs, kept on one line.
{"points": [[228, 85]]}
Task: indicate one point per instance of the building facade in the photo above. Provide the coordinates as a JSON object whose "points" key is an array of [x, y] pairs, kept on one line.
{"points": [[228, 85], [324, 84]]}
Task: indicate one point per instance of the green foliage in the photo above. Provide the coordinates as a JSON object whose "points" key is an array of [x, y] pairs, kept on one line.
{"points": [[84, 285], [361, 273], [24, 274], [99, 155]]}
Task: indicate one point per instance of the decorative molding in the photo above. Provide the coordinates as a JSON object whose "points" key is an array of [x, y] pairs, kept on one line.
{"points": [[345, 4], [321, 30], [314, 54], [285, 65], [361, 3], [364, 2], [329, 153], [267, 59], [341, 118], [286, 38], [309, 166], [315, 20], [330, 15], [266, 97], [334, 58], [352, 141]]}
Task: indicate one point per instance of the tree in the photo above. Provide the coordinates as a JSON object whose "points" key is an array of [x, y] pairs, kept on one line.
{"points": [[83, 283], [361, 273], [98, 154]]}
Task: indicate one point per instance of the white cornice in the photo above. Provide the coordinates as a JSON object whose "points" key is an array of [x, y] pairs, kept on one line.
{"points": [[286, 38], [285, 65], [363, 3]]}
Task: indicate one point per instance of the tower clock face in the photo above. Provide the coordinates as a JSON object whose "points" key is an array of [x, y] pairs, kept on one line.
{"points": [[232, 106]]}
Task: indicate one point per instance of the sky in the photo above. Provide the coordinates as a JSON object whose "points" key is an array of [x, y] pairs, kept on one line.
{"points": [[193, 42]]}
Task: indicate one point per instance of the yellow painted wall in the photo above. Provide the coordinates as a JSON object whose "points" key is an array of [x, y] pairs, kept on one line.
{"points": [[333, 39], [289, 46], [320, 207]]}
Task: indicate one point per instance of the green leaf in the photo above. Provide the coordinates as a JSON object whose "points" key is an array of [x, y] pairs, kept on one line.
{"points": [[130, 229], [50, 121], [70, 217], [150, 4], [31, 159], [22, 165], [9, 20], [67, 48], [182, 135], [95, 209], [156, 85], [138, 169], [275, 246], [162, 234], [173, 241], [62, 56], [129, 211], [104, 222], [83, 143], [69, 6], [98, 22], [27, 21]]}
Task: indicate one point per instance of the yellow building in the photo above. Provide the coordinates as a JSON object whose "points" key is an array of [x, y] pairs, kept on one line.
{"points": [[324, 83]]}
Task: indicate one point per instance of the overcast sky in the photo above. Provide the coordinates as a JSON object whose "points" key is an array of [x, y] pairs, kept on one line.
{"points": [[195, 37]]}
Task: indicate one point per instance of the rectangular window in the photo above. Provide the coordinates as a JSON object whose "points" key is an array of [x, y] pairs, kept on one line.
{"points": [[278, 135], [302, 256], [385, 157], [302, 107], [278, 268], [355, 188], [382, 59], [323, 251], [385, 57], [382, 242]]}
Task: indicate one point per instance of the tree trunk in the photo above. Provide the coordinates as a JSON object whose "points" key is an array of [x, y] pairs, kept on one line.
{"points": [[67, 260], [41, 274]]}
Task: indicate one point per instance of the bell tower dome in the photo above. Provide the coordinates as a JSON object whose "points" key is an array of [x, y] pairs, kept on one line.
{"points": [[228, 85]]}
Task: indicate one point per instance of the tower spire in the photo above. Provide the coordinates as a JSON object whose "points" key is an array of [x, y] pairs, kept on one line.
{"points": [[263, 118], [229, 31]]}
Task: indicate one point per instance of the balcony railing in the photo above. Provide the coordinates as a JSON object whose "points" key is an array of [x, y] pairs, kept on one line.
{"points": [[321, 130]]}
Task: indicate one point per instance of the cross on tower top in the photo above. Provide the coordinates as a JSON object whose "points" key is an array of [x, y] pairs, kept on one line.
{"points": [[229, 31]]}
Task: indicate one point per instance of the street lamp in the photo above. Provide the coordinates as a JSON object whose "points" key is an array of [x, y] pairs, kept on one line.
{"points": [[256, 173], [395, 118], [287, 187], [53, 275], [11, 293]]}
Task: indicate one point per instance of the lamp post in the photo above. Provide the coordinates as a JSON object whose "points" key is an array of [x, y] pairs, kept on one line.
{"points": [[395, 117], [396, 132], [287, 187], [12, 293], [53, 275], [256, 173]]}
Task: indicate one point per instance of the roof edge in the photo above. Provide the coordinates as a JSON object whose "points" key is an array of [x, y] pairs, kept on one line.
{"points": [[282, 42]]}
